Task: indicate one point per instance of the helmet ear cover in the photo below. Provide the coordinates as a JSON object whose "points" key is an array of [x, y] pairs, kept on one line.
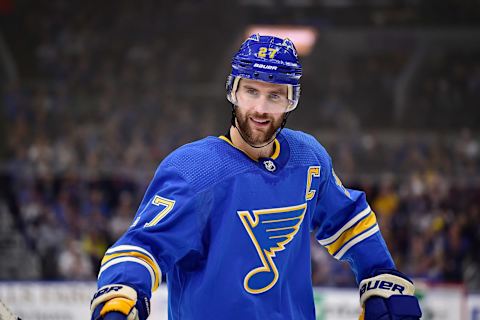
{"points": [[231, 87]]}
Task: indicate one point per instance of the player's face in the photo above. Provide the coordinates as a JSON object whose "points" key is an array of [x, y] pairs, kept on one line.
{"points": [[261, 107]]}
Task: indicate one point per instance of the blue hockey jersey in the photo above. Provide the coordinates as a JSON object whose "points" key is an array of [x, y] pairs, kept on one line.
{"points": [[232, 234]]}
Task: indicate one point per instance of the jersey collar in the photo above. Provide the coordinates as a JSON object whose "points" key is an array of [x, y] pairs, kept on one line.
{"points": [[276, 161], [276, 147]]}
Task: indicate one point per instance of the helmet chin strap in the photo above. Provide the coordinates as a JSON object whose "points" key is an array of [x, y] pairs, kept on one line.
{"points": [[234, 124]]}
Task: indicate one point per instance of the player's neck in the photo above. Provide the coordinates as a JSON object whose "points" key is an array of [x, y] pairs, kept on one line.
{"points": [[254, 153]]}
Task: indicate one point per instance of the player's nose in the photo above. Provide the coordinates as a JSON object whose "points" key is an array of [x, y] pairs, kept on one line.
{"points": [[262, 105]]}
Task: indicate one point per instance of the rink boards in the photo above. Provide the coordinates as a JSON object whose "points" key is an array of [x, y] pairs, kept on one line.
{"points": [[70, 301]]}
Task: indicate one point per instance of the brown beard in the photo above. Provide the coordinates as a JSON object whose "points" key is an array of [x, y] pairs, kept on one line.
{"points": [[257, 137]]}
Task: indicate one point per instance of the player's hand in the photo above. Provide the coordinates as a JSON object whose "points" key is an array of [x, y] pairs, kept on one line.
{"points": [[118, 302], [389, 295]]}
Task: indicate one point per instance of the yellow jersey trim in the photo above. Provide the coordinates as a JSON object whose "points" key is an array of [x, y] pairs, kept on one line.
{"points": [[140, 256], [277, 149], [351, 233], [275, 155]]}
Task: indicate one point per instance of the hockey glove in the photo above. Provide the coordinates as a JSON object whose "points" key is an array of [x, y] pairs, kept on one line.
{"points": [[118, 302], [389, 296]]}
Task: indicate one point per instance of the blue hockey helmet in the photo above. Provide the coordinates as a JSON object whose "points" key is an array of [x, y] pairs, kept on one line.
{"points": [[269, 59]]}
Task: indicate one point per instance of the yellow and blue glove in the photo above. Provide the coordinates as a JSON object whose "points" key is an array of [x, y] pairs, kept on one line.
{"points": [[388, 295], [118, 302]]}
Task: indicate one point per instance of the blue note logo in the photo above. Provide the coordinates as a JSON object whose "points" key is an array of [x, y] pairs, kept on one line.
{"points": [[270, 230]]}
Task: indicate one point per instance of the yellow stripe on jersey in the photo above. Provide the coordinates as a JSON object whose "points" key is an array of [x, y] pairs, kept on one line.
{"points": [[277, 150], [227, 140], [351, 233], [365, 212], [140, 256], [231, 143], [274, 156]]}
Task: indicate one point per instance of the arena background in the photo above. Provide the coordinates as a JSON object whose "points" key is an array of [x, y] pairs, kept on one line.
{"points": [[94, 94]]}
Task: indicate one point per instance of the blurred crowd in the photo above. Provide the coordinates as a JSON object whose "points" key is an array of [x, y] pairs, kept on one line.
{"points": [[367, 89], [429, 221], [84, 136], [448, 87]]}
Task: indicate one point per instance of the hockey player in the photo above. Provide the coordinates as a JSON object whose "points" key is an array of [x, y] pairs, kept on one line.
{"points": [[228, 219]]}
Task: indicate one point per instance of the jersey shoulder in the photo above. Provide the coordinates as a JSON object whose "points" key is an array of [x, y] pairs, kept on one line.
{"points": [[205, 162], [305, 147]]}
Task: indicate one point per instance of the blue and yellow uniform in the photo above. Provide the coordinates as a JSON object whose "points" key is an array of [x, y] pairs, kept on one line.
{"points": [[232, 235]]}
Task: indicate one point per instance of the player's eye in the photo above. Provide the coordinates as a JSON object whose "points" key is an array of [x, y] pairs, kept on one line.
{"points": [[274, 97], [252, 91]]}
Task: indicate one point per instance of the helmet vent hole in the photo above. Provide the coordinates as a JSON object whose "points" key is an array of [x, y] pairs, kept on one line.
{"points": [[270, 76], [255, 74]]}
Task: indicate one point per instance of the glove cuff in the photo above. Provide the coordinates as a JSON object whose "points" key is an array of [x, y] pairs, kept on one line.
{"points": [[385, 285], [111, 291], [122, 305]]}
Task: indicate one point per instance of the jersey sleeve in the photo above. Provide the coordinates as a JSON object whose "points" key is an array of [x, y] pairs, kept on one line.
{"points": [[166, 229], [347, 227]]}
